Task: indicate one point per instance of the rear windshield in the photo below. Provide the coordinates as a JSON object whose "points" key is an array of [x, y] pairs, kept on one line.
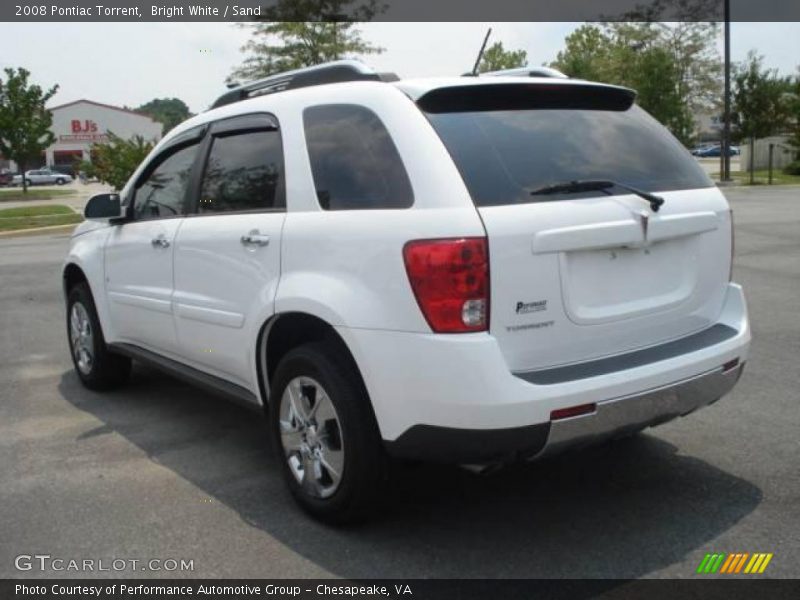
{"points": [[503, 155]]}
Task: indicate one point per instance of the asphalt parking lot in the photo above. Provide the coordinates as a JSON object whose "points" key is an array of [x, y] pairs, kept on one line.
{"points": [[162, 470]]}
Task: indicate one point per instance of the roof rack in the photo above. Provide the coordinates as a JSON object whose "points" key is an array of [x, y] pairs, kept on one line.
{"points": [[330, 72], [528, 72]]}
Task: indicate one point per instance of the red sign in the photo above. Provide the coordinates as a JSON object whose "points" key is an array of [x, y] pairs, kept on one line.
{"points": [[83, 131], [86, 126]]}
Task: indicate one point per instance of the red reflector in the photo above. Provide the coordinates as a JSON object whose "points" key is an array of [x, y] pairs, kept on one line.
{"points": [[573, 411], [731, 364], [450, 280]]}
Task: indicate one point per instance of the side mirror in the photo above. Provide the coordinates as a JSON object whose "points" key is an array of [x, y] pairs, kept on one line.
{"points": [[102, 207]]}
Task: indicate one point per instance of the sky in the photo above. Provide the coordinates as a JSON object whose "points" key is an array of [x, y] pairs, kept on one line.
{"points": [[128, 64]]}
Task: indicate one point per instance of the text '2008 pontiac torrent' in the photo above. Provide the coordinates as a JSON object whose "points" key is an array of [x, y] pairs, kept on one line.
{"points": [[470, 270]]}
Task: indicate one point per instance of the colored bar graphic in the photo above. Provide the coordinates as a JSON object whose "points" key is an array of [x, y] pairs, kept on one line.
{"points": [[740, 564], [735, 562], [727, 563], [717, 563], [701, 568], [764, 564]]}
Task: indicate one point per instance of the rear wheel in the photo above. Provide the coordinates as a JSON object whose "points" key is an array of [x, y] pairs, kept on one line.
{"points": [[96, 366], [61, 181], [325, 434]]}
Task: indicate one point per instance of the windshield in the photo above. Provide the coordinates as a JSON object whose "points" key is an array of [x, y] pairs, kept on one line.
{"points": [[504, 155]]}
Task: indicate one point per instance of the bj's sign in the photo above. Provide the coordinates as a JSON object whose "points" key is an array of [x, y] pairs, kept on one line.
{"points": [[83, 131]]}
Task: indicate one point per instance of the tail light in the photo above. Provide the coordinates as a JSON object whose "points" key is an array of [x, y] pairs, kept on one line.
{"points": [[450, 280]]}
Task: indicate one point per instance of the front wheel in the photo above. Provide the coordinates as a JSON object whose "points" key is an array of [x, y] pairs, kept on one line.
{"points": [[325, 435], [96, 366], [61, 181]]}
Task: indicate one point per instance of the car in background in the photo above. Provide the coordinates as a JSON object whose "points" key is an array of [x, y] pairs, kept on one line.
{"points": [[714, 151], [6, 177], [42, 177], [65, 170]]}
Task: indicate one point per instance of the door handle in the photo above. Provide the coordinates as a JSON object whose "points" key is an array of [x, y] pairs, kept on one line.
{"points": [[255, 238], [160, 241]]}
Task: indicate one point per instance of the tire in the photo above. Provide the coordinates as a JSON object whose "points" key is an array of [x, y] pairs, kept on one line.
{"points": [[96, 366], [349, 429], [61, 181]]}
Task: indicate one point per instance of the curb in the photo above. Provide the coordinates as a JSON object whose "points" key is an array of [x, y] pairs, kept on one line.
{"points": [[38, 231]]}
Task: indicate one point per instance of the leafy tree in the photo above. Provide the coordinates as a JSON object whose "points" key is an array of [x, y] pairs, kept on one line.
{"points": [[793, 102], [497, 58], [674, 68], [167, 111], [24, 120], [114, 161], [760, 101], [302, 33], [587, 55]]}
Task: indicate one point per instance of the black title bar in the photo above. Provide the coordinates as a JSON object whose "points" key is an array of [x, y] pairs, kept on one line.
{"points": [[398, 10]]}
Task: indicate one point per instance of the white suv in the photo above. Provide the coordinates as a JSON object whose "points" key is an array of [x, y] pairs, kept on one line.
{"points": [[472, 270]]}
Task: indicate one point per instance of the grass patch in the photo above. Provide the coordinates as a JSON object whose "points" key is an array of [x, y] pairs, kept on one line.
{"points": [[13, 194], [30, 217], [35, 211], [761, 177]]}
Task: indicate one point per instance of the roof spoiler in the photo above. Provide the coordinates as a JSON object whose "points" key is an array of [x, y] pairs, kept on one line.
{"points": [[528, 72], [332, 72], [507, 95]]}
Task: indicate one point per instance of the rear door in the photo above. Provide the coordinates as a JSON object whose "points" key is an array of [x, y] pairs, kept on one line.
{"points": [[576, 276], [227, 255], [139, 253]]}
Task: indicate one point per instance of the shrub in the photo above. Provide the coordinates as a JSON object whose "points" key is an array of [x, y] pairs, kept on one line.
{"points": [[792, 168]]}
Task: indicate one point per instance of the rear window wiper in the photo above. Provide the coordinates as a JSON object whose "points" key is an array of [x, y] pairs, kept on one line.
{"points": [[595, 185]]}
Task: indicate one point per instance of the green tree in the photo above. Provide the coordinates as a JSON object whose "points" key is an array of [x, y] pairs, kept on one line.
{"points": [[674, 68], [114, 161], [302, 33], [760, 100], [497, 58], [793, 102], [167, 111], [24, 121], [587, 55]]}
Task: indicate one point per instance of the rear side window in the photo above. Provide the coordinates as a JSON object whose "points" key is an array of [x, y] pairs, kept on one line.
{"points": [[163, 193], [244, 172], [503, 155], [354, 161]]}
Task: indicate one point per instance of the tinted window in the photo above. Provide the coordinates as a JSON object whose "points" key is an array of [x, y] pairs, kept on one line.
{"points": [[353, 160], [163, 192], [244, 172], [503, 155]]}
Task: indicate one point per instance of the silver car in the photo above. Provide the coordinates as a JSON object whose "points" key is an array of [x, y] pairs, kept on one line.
{"points": [[42, 177]]}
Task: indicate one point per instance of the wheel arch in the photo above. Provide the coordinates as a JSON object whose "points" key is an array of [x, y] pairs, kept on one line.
{"points": [[286, 331], [71, 275]]}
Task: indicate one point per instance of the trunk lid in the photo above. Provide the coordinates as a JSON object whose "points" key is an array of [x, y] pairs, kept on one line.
{"points": [[578, 276], [580, 280]]}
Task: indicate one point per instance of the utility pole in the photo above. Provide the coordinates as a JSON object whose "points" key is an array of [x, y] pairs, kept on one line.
{"points": [[726, 127]]}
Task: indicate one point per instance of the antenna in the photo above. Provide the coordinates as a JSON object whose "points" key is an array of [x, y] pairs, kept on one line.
{"points": [[480, 54]]}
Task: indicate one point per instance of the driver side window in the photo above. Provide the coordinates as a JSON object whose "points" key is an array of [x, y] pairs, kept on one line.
{"points": [[163, 193]]}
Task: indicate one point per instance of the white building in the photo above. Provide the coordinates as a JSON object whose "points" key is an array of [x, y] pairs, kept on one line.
{"points": [[77, 125]]}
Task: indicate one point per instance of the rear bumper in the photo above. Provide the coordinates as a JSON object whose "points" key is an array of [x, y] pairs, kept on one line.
{"points": [[453, 398], [612, 418]]}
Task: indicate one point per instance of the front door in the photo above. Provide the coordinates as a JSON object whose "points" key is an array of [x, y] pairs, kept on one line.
{"points": [[227, 255], [140, 253]]}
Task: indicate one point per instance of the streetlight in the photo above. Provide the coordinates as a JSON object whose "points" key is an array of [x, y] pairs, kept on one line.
{"points": [[726, 126]]}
